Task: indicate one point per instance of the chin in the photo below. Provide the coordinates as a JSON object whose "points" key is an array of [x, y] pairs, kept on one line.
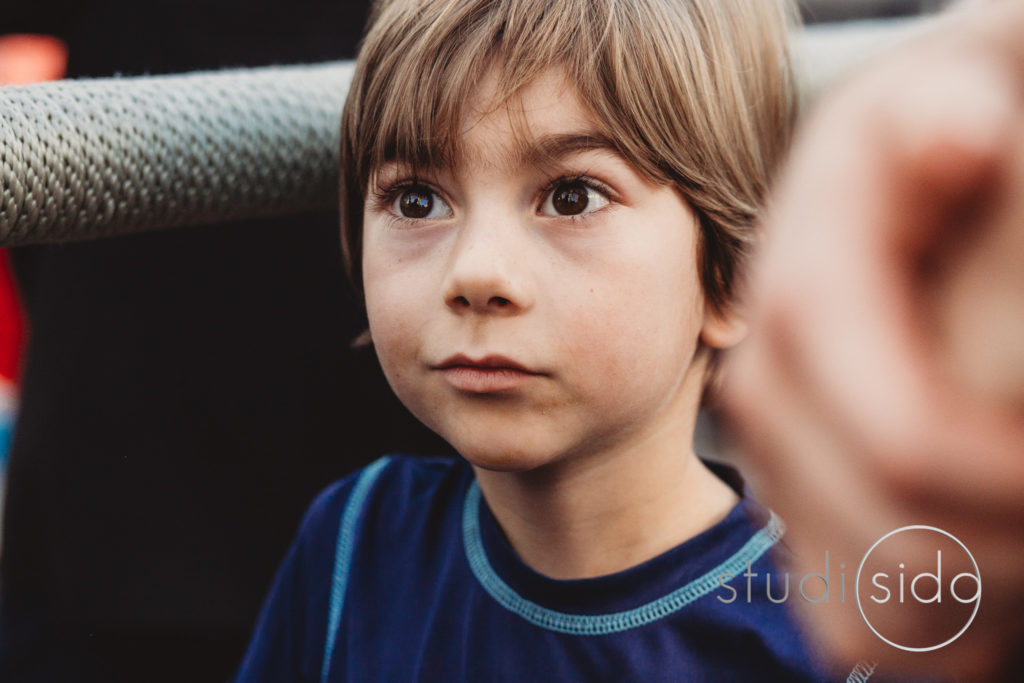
{"points": [[492, 456], [502, 442]]}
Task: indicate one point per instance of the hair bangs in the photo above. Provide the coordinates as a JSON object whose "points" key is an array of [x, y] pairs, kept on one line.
{"points": [[413, 109]]}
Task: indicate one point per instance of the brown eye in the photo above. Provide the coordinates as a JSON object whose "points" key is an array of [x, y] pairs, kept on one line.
{"points": [[416, 202], [570, 199], [419, 201], [573, 198]]}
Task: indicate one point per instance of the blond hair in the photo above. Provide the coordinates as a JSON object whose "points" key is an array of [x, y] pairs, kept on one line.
{"points": [[698, 94]]}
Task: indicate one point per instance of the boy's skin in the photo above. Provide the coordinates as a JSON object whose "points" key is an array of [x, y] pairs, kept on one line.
{"points": [[584, 452]]}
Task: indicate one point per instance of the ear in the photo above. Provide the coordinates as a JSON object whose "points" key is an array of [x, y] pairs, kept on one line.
{"points": [[364, 339], [723, 329]]}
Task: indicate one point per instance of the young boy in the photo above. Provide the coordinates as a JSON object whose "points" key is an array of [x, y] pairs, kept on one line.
{"points": [[545, 203]]}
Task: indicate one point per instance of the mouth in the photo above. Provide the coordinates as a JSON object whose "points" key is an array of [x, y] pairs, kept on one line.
{"points": [[488, 375]]}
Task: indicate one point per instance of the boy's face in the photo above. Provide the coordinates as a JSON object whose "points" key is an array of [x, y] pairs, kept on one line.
{"points": [[532, 312]]}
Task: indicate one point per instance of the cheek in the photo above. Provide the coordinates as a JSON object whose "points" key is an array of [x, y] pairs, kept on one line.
{"points": [[637, 326], [391, 308]]}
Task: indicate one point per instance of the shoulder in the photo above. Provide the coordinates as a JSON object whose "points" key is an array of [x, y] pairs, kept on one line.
{"points": [[400, 484], [417, 475], [409, 476], [354, 525]]}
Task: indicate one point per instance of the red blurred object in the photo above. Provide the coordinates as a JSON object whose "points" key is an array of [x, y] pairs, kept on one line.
{"points": [[27, 58], [12, 323], [24, 59]]}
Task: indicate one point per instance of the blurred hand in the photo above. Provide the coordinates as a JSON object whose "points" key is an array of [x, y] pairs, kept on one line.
{"points": [[883, 382]]}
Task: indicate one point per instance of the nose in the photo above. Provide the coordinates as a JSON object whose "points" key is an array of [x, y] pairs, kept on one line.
{"points": [[487, 271]]}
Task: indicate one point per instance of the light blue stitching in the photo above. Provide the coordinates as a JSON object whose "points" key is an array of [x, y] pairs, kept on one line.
{"points": [[343, 555], [861, 672], [601, 624]]}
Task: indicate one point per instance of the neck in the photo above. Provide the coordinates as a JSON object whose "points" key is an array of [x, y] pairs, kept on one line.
{"points": [[606, 512]]}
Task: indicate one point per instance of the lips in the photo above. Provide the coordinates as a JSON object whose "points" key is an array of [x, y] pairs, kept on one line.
{"points": [[488, 375]]}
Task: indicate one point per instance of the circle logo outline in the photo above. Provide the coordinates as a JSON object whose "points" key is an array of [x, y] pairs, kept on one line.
{"points": [[918, 527]]}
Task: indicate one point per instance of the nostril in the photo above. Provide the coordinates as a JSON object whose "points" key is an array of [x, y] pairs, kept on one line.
{"points": [[462, 301], [500, 301]]}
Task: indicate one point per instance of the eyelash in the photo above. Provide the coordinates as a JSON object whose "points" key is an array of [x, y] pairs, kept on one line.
{"points": [[385, 197], [586, 181]]}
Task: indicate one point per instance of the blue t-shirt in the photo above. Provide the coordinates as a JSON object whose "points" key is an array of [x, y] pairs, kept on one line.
{"points": [[400, 572]]}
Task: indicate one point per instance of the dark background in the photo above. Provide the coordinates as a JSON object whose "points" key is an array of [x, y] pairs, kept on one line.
{"points": [[185, 393]]}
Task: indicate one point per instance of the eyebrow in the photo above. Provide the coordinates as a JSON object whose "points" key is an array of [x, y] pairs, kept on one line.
{"points": [[548, 149]]}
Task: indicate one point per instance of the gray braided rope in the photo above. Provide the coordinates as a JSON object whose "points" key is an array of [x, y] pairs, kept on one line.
{"points": [[83, 159]]}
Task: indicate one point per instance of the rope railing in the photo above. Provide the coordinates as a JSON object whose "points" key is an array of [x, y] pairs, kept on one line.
{"points": [[84, 159]]}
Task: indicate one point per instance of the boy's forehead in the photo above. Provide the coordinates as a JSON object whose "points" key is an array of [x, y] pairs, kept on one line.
{"points": [[546, 103], [534, 151], [539, 124]]}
